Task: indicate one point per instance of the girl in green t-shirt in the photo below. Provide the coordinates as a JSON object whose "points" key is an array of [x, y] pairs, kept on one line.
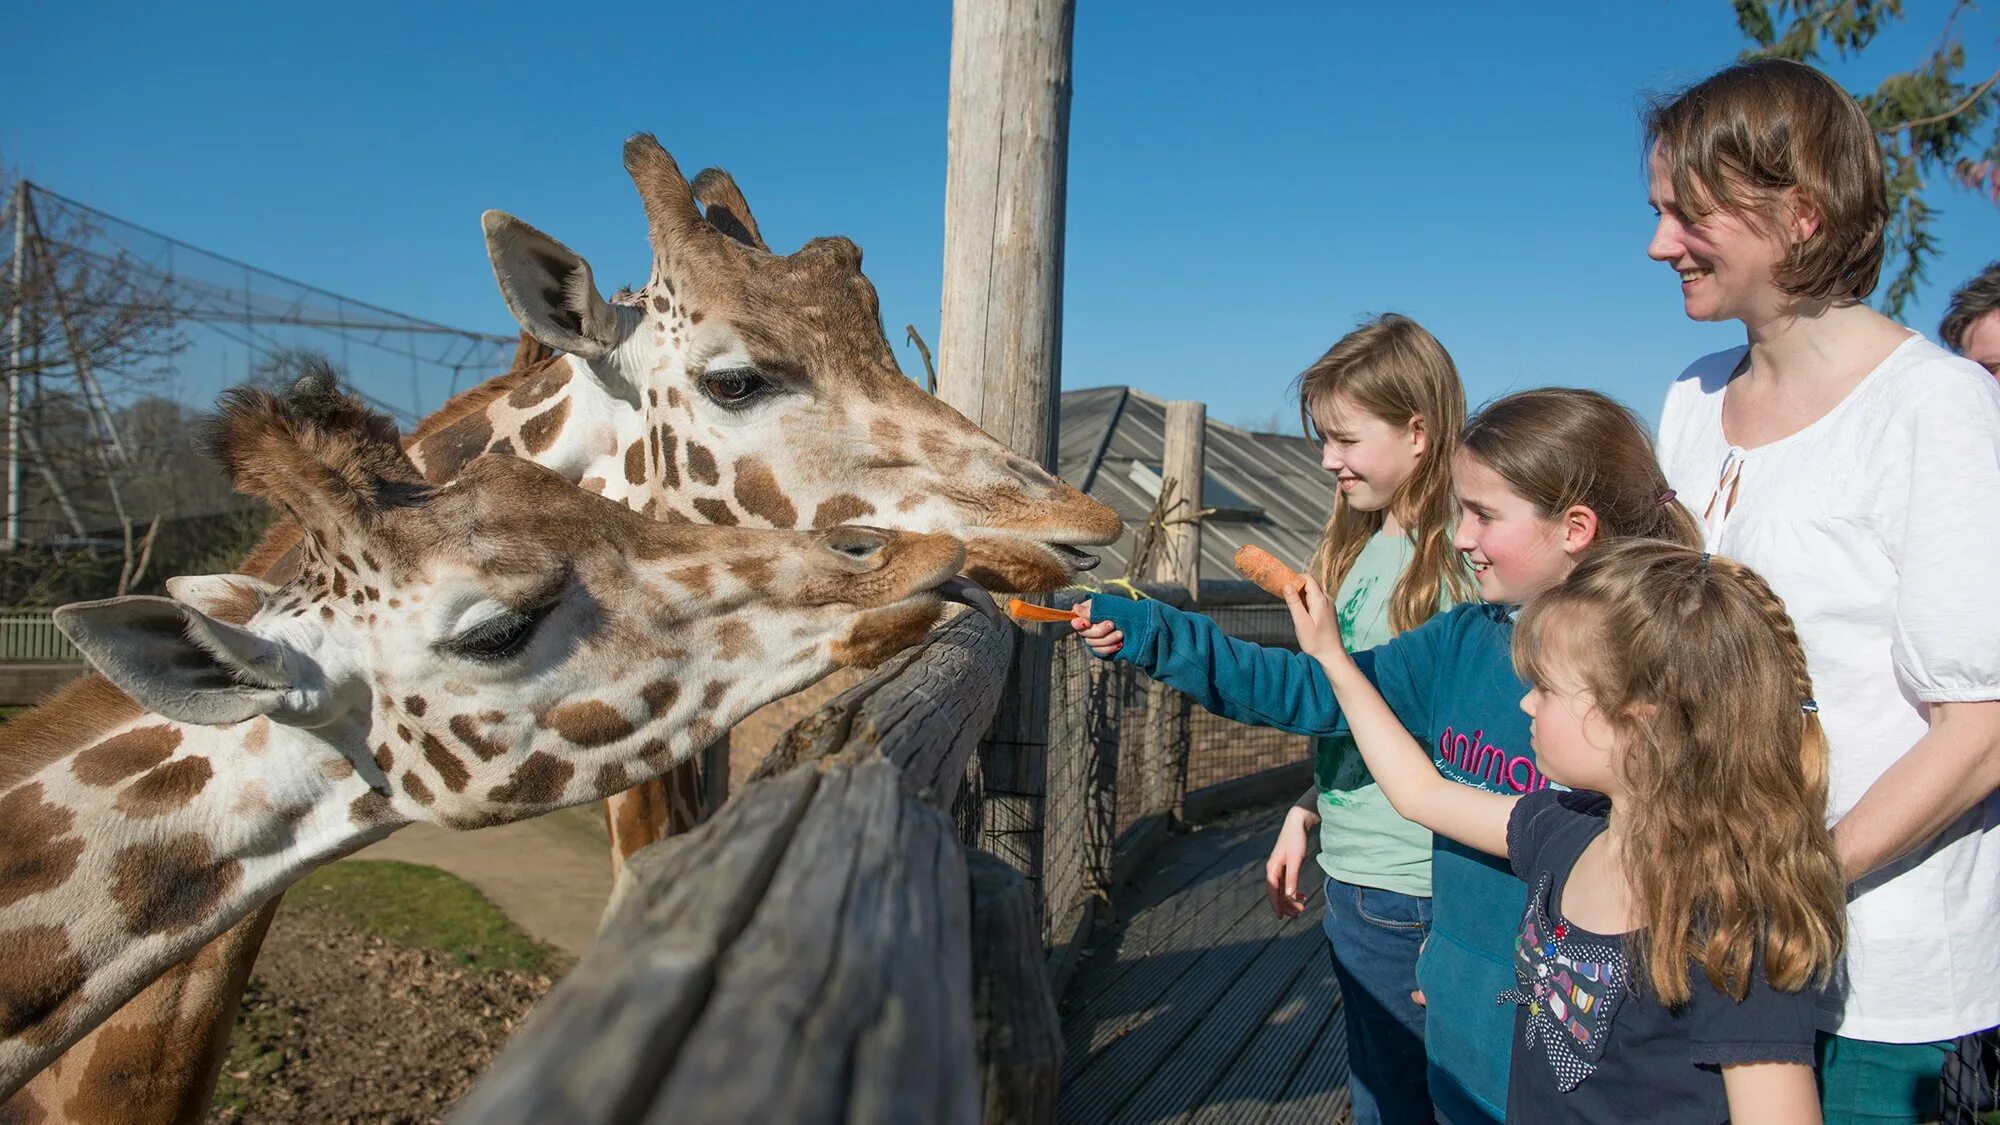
{"points": [[1386, 404]]}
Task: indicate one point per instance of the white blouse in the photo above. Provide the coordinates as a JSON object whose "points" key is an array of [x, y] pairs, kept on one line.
{"points": [[1879, 526]]}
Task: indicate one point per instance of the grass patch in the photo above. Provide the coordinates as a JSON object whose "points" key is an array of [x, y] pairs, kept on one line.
{"points": [[9, 712], [417, 906], [256, 1052]]}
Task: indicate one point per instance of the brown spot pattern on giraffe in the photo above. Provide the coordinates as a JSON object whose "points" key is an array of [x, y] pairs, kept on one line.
{"points": [[450, 770], [466, 731], [612, 779], [25, 1109], [131, 1073], [843, 508], [385, 759], [167, 887], [415, 705], [538, 781], [669, 471], [733, 639], [659, 695], [415, 787], [166, 788], [699, 579], [122, 755], [539, 433], [36, 852], [589, 723], [758, 492], [753, 572], [715, 511], [39, 974], [635, 462], [448, 450], [371, 809], [701, 464], [531, 391], [712, 695]]}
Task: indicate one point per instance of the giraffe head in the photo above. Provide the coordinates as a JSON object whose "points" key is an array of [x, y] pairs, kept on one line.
{"points": [[505, 643], [772, 397]]}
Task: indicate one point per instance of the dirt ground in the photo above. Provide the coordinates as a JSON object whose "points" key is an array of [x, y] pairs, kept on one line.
{"points": [[343, 1026]]}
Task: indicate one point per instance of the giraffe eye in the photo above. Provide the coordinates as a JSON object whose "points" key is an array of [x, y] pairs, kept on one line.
{"points": [[498, 637], [735, 387]]}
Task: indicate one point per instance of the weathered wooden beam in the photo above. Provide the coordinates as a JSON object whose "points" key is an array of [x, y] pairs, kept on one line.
{"points": [[806, 954], [924, 710], [1017, 1028]]}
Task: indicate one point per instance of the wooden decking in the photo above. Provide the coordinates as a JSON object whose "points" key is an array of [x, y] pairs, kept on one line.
{"points": [[1201, 1006]]}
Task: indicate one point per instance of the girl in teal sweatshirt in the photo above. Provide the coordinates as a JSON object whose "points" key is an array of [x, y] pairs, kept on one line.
{"points": [[1540, 477]]}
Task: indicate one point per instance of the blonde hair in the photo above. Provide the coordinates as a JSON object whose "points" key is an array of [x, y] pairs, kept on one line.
{"points": [[1739, 139], [1392, 368], [1560, 447], [1694, 661]]}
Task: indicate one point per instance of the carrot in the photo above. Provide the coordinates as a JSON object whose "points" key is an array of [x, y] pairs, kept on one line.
{"points": [[1274, 577], [1027, 611]]}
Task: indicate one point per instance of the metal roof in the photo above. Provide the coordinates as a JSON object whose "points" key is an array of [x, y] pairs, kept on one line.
{"points": [[1106, 431]]}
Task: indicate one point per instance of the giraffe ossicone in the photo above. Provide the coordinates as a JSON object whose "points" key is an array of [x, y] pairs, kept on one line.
{"points": [[468, 653]]}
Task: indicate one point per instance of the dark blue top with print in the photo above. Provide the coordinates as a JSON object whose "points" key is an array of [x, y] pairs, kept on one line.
{"points": [[1589, 1044]]}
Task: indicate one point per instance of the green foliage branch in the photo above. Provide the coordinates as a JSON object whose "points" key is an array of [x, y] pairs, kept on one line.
{"points": [[1931, 120]]}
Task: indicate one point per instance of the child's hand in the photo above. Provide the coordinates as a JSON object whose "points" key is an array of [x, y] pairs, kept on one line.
{"points": [[1288, 858], [1314, 621], [1102, 637]]}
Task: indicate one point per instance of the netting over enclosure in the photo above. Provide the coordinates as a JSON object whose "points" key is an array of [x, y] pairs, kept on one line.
{"points": [[115, 341], [115, 338]]}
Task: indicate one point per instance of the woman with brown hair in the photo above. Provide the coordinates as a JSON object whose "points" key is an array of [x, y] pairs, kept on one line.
{"points": [[1856, 466]]}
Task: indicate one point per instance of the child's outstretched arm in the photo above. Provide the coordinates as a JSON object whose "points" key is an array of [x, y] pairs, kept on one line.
{"points": [[1779, 1092], [1236, 679], [1408, 778]]}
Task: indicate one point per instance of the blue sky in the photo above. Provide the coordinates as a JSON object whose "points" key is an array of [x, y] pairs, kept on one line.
{"points": [[1245, 181]]}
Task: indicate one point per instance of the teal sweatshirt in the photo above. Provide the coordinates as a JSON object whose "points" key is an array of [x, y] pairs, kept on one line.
{"points": [[1451, 681]]}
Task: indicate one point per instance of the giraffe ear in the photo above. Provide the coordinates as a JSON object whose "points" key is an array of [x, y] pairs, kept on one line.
{"points": [[549, 288], [234, 598], [186, 666]]}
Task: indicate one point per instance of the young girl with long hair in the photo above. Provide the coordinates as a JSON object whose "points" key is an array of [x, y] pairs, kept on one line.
{"points": [[1386, 404], [1684, 899], [1540, 476], [1856, 465]]}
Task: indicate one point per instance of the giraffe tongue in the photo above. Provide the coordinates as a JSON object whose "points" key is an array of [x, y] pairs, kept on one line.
{"points": [[966, 592], [1078, 560]]}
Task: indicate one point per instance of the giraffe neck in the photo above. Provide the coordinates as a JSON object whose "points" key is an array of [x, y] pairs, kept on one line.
{"points": [[124, 857]]}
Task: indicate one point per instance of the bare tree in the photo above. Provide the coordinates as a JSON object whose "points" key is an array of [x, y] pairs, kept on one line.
{"points": [[88, 329]]}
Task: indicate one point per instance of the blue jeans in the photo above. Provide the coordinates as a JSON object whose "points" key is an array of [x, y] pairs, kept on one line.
{"points": [[1374, 936]]}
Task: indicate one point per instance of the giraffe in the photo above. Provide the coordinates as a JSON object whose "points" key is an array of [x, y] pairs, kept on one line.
{"points": [[742, 387], [738, 387], [469, 653]]}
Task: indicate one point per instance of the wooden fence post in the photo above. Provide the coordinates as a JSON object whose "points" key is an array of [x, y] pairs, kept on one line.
{"points": [[1000, 335], [1178, 563]]}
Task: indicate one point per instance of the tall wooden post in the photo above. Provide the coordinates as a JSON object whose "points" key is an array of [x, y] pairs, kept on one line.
{"points": [[1182, 470], [1000, 337], [1183, 465]]}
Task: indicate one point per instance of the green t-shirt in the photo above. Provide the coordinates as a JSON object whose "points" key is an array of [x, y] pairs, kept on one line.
{"points": [[1362, 840]]}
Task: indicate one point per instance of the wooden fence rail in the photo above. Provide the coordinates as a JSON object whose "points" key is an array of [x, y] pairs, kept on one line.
{"points": [[31, 636], [823, 949]]}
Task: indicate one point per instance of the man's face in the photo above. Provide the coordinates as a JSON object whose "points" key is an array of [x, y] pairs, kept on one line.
{"points": [[1982, 342]]}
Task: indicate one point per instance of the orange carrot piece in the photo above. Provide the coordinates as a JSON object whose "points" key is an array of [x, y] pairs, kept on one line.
{"points": [[1027, 611], [1261, 567]]}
